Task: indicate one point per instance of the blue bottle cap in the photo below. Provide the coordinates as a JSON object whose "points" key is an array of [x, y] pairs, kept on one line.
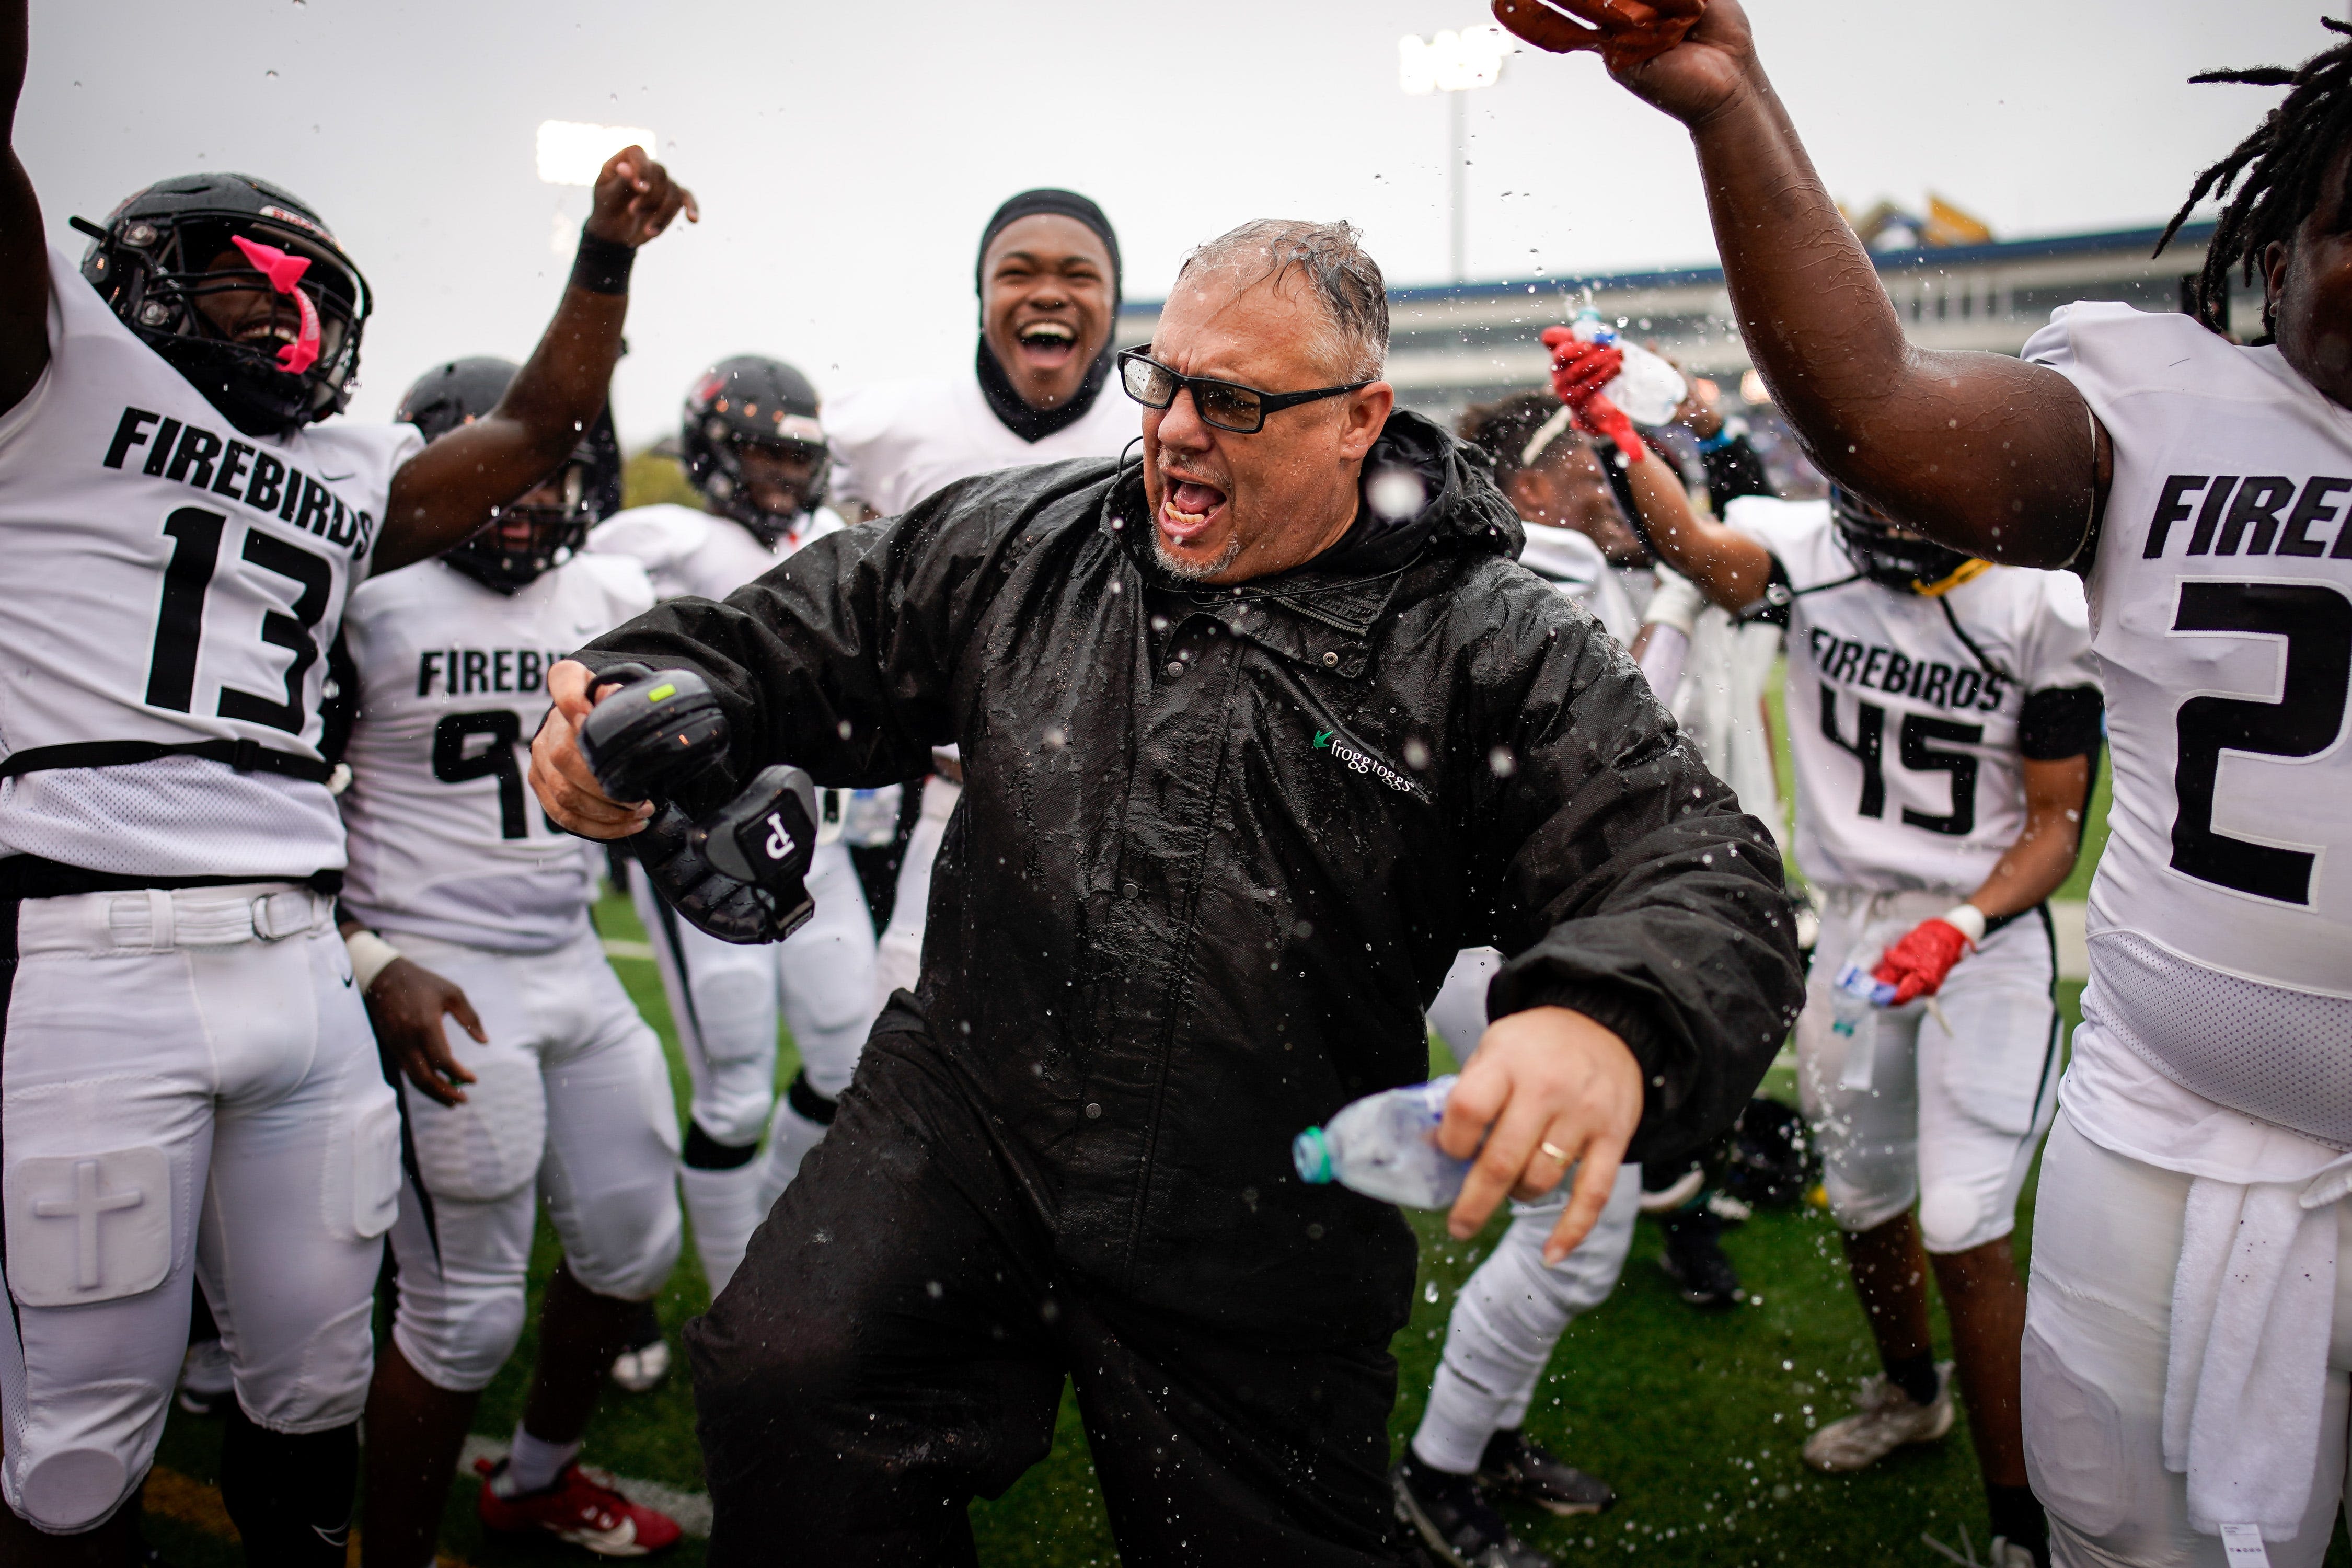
{"points": [[1312, 1155]]}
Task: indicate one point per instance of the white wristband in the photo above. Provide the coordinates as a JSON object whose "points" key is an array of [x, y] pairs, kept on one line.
{"points": [[371, 955], [1676, 604], [1967, 920]]}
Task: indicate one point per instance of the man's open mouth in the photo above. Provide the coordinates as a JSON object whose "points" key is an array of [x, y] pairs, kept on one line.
{"points": [[1048, 345], [1188, 507], [267, 330]]}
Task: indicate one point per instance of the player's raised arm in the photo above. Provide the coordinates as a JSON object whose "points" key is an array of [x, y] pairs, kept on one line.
{"points": [[1984, 452], [447, 491], [23, 259]]}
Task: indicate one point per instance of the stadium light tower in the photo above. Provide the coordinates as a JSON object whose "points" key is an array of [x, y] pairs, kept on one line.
{"points": [[1455, 64]]}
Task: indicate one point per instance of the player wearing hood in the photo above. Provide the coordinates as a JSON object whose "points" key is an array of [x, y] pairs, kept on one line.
{"points": [[1049, 282]]}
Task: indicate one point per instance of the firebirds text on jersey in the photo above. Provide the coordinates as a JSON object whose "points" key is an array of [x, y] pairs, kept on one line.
{"points": [[195, 457]]}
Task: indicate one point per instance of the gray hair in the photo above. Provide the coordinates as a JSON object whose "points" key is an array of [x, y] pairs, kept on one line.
{"points": [[1338, 270]]}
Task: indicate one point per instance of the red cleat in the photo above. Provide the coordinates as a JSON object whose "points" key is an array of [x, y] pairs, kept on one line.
{"points": [[583, 1512]]}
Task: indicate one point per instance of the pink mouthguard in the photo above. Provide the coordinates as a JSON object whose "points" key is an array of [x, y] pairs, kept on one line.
{"points": [[284, 271]]}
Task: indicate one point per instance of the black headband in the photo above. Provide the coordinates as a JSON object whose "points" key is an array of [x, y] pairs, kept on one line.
{"points": [[1064, 203]]}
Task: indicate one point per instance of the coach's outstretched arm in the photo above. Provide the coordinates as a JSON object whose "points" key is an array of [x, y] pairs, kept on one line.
{"points": [[447, 491], [1988, 454], [24, 252]]}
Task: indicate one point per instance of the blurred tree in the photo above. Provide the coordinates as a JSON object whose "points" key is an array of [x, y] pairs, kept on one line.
{"points": [[652, 475]]}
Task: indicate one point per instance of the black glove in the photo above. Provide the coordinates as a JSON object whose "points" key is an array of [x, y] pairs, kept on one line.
{"points": [[726, 907]]}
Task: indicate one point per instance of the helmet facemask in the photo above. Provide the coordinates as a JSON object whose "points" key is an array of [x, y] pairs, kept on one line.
{"points": [[743, 482], [181, 282], [1889, 553], [539, 532]]}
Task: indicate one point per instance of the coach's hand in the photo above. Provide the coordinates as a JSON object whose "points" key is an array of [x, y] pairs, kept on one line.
{"points": [[561, 776], [1548, 1088], [405, 1004], [636, 199]]}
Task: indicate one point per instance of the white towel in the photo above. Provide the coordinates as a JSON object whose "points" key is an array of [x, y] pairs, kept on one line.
{"points": [[2253, 1309]]}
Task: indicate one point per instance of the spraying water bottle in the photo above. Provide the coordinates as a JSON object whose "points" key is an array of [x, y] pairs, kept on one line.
{"points": [[1853, 1018], [1385, 1146], [1648, 389]]}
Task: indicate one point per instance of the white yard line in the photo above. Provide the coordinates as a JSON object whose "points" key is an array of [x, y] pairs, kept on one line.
{"points": [[691, 1509], [622, 947]]}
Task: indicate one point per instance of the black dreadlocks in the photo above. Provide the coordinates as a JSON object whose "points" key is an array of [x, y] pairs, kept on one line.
{"points": [[2289, 154]]}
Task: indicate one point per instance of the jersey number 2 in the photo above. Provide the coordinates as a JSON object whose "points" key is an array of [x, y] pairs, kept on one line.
{"points": [[452, 765], [195, 536], [2317, 625], [1869, 741]]}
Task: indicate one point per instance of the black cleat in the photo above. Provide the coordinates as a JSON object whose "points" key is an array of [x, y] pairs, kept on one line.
{"points": [[1459, 1526], [1694, 1260], [1514, 1468]]}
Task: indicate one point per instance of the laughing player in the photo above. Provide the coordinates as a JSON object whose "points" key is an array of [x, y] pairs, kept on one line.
{"points": [[191, 1088]]}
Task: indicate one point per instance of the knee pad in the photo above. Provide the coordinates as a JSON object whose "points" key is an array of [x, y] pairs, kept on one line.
{"points": [[71, 1490], [631, 1242], [2073, 1442], [1952, 1219], [455, 1336]]}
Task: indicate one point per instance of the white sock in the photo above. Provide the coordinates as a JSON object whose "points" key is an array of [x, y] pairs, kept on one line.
{"points": [[725, 1209], [791, 1136], [533, 1464]]}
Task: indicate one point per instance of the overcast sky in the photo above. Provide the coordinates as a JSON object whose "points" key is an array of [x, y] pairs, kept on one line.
{"points": [[846, 154]]}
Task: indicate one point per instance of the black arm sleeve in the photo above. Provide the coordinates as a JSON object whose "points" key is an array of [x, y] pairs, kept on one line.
{"points": [[2061, 721], [1641, 896]]}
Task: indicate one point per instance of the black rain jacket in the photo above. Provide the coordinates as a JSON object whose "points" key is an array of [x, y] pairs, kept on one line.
{"points": [[1218, 846]]}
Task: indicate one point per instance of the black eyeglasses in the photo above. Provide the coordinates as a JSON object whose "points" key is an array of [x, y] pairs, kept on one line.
{"points": [[1227, 405]]}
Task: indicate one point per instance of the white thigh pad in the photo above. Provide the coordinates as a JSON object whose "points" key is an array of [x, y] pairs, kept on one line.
{"points": [[88, 1228], [489, 1146]]}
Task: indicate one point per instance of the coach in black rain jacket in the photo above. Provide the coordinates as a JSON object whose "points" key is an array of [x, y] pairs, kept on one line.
{"points": [[1216, 849]]}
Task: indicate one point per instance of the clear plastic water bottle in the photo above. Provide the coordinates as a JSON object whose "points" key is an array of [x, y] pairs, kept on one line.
{"points": [[869, 817], [1853, 1018], [1385, 1146], [1648, 389]]}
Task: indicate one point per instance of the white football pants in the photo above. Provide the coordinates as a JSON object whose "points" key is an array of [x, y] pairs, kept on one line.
{"points": [[188, 1086], [1957, 1096], [1511, 1312], [2098, 1315], [725, 1000], [899, 962], [571, 1103]]}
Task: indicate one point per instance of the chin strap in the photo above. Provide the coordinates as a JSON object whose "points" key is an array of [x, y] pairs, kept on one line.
{"points": [[1961, 574], [284, 271]]}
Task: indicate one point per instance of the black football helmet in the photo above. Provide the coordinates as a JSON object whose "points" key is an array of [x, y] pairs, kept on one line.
{"points": [[463, 391], [153, 263], [751, 400], [1887, 551]]}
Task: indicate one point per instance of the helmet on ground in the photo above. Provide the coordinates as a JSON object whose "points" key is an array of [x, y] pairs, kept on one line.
{"points": [[522, 541], [168, 261], [1889, 553], [744, 402]]}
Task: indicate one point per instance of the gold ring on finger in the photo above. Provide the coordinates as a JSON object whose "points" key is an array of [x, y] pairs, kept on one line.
{"points": [[1555, 1150]]}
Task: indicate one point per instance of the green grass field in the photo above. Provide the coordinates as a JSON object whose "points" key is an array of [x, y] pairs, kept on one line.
{"points": [[1694, 1418]]}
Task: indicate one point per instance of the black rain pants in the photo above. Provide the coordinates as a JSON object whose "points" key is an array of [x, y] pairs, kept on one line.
{"points": [[895, 1343]]}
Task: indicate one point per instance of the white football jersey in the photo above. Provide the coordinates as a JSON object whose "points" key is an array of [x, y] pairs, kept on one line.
{"points": [[1903, 709], [696, 553], [1572, 563], [174, 583], [447, 839], [895, 444]]}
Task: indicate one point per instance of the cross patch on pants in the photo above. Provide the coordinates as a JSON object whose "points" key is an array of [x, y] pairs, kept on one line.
{"points": [[88, 1228]]}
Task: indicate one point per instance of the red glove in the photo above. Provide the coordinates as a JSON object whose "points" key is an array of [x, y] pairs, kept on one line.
{"points": [[1578, 370], [1916, 966]]}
